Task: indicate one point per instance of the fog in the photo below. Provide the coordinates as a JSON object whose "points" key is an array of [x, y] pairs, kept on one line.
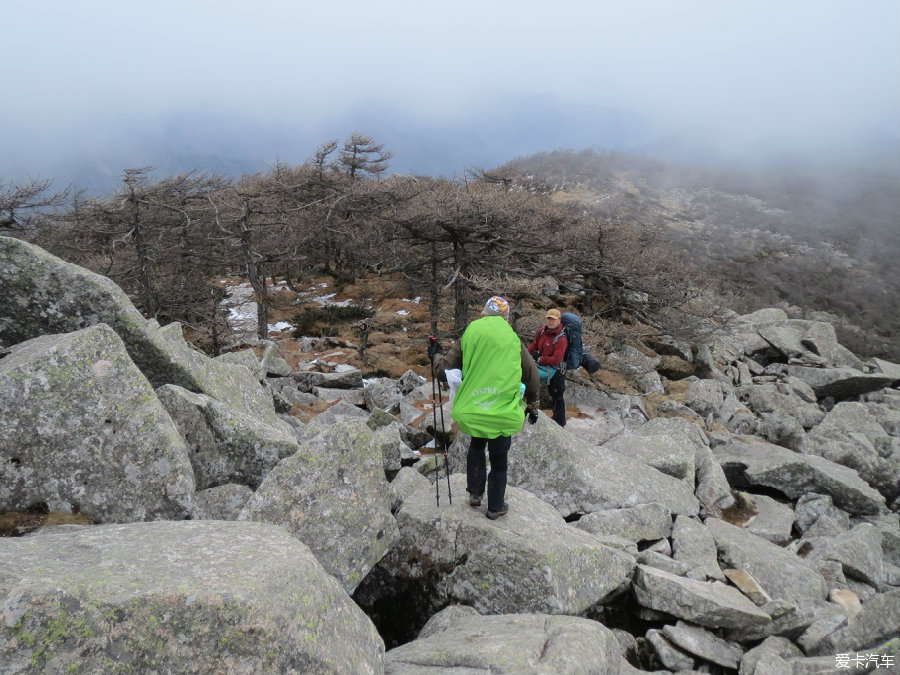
{"points": [[92, 85]]}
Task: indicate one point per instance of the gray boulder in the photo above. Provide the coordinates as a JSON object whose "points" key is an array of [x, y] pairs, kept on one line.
{"points": [[335, 413], [704, 644], [712, 491], [877, 622], [816, 515], [384, 394], [644, 522], [177, 597], [48, 295], [668, 445], [858, 551], [781, 573], [351, 396], [631, 361], [769, 653], [780, 397], [224, 502], [226, 445], [81, 430], [794, 474], [781, 429], [711, 604], [577, 477], [333, 496], [669, 655], [811, 343], [773, 521], [840, 383], [707, 397], [849, 435], [349, 379], [693, 545], [394, 451], [530, 560], [459, 640]]}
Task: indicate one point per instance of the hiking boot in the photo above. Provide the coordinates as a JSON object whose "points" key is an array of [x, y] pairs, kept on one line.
{"points": [[493, 515], [474, 500]]}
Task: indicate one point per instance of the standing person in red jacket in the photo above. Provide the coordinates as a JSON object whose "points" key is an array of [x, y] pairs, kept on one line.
{"points": [[549, 350]]}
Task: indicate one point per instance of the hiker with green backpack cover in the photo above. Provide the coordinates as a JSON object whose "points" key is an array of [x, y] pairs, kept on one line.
{"points": [[488, 405]]}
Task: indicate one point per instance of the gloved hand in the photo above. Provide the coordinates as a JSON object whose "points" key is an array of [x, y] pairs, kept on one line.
{"points": [[433, 348], [532, 415], [536, 355]]}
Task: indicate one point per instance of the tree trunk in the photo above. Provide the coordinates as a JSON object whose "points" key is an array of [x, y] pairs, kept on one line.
{"points": [[460, 289], [145, 278], [434, 291], [253, 276]]}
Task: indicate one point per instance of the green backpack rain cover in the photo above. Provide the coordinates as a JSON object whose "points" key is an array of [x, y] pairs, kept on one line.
{"points": [[488, 402]]}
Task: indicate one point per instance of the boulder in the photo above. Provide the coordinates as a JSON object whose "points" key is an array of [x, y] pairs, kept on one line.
{"points": [[226, 445], [577, 477], [644, 522], [839, 383], [816, 515], [339, 411], [887, 368], [711, 604], [668, 445], [394, 451], [48, 295], [704, 644], [811, 343], [405, 483], [529, 560], [82, 431], [794, 474], [712, 491], [876, 623], [781, 573], [458, 640], [384, 394], [351, 396], [858, 551], [770, 653], [631, 361], [773, 521], [307, 379], [780, 429], [597, 428], [849, 435], [200, 596], [669, 655], [780, 397], [707, 397], [224, 502], [693, 545], [333, 496]]}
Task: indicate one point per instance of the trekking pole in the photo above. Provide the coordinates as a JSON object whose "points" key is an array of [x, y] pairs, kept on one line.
{"points": [[444, 443], [437, 468]]}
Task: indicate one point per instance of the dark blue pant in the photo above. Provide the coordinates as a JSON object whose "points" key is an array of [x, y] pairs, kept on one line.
{"points": [[557, 387], [476, 467]]}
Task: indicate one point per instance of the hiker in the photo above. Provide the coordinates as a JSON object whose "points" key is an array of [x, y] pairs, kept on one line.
{"points": [[549, 351], [487, 405]]}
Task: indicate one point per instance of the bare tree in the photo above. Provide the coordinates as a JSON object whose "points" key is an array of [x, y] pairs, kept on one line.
{"points": [[361, 154], [24, 207]]}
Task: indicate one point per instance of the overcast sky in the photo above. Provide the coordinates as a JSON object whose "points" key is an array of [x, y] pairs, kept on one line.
{"points": [[72, 67]]}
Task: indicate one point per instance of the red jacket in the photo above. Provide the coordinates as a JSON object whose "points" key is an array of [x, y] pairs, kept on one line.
{"points": [[543, 343]]}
